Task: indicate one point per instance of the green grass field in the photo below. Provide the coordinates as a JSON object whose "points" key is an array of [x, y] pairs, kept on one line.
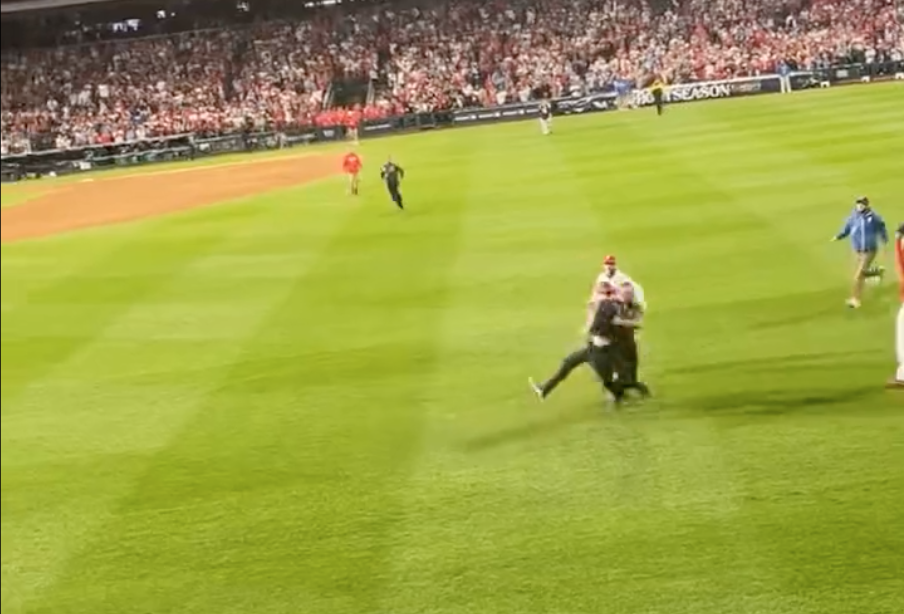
{"points": [[16, 194], [300, 404]]}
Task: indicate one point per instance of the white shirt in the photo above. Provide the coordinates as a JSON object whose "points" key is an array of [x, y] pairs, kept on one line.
{"points": [[618, 279]]}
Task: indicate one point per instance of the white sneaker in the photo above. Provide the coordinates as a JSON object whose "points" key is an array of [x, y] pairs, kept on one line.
{"points": [[537, 390], [853, 303]]}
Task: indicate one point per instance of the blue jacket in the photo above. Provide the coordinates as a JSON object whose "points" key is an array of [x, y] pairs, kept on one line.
{"points": [[865, 228]]}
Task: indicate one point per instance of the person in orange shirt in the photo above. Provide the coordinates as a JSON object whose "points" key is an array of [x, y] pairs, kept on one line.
{"points": [[351, 164], [898, 380]]}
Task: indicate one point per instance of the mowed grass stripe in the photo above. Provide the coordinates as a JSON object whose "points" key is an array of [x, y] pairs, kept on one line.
{"points": [[27, 269], [820, 500], [669, 224], [125, 400], [524, 469], [822, 332], [679, 470], [839, 152], [802, 217], [708, 253], [452, 548], [179, 327], [37, 354], [812, 325], [877, 141], [802, 149], [670, 474], [708, 467], [298, 459]]}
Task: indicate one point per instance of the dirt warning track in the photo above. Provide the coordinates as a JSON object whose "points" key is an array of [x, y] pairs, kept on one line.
{"points": [[114, 200]]}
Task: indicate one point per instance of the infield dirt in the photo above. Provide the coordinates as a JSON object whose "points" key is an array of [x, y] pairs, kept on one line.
{"points": [[99, 201]]}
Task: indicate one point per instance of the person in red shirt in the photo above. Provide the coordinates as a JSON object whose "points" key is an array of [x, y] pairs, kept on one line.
{"points": [[351, 164], [898, 380]]}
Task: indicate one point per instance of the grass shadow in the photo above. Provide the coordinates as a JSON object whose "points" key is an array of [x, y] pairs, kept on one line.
{"points": [[534, 429], [770, 364], [776, 402]]}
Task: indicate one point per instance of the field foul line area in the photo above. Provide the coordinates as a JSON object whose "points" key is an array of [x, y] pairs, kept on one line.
{"points": [[89, 203], [201, 165]]}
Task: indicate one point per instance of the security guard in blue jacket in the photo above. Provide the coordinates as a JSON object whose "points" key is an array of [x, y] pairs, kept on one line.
{"points": [[867, 231]]}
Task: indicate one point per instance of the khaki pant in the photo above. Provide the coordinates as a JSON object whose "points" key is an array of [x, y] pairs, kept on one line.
{"points": [[864, 262]]}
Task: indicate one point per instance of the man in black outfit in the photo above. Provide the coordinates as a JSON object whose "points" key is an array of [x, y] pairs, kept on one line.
{"points": [[657, 90], [602, 360], [392, 174], [604, 352], [569, 364], [606, 357]]}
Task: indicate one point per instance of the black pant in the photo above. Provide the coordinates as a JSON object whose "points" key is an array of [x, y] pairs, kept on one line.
{"points": [[629, 353], [657, 100], [628, 365], [606, 362], [569, 364], [394, 193]]}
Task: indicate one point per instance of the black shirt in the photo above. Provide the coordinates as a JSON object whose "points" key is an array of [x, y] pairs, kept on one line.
{"points": [[391, 173], [603, 325]]}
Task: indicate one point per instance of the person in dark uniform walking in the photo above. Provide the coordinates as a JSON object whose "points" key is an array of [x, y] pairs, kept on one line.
{"points": [[657, 89], [392, 174], [545, 111]]}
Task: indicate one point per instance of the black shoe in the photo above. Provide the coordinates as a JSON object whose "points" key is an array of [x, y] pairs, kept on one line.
{"points": [[644, 390]]}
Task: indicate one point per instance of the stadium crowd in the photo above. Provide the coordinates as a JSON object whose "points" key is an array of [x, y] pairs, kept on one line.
{"points": [[439, 55]]}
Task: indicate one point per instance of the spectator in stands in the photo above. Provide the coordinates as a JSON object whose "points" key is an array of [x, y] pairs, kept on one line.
{"points": [[457, 53]]}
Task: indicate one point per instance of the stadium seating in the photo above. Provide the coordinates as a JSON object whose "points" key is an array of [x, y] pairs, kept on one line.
{"points": [[414, 58]]}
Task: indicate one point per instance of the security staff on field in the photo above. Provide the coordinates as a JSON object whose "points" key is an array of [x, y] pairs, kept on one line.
{"points": [[392, 175], [657, 89]]}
